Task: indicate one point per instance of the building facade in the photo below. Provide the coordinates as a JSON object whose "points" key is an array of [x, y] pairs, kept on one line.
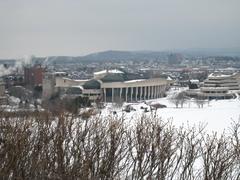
{"points": [[220, 86], [33, 76], [50, 80], [134, 90], [116, 86], [2, 88], [3, 98]]}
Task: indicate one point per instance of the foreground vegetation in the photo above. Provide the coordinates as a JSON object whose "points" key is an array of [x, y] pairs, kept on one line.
{"points": [[42, 145]]}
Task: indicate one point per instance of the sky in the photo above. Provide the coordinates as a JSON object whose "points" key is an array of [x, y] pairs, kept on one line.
{"points": [[79, 27]]}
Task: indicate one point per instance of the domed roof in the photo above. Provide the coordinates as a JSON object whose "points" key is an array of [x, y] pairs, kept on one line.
{"points": [[113, 78], [92, 84]]}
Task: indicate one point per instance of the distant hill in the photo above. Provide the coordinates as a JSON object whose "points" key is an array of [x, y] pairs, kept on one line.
{"points": [[109, 56], [126, 55], [143, 55], [113, 55]]}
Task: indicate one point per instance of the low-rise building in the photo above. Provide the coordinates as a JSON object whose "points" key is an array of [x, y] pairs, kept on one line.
{"points": [[115, 86], [133, 90], [220, 86], [50, 80], [33, 75]]}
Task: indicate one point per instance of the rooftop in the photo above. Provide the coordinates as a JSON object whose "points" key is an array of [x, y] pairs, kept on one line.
{"points": [[218, 75], [136, 80], [113, 71]]}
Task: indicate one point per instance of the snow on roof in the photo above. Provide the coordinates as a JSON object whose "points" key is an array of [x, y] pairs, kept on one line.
{"points": [[135, 80], [81, 80], [214, 88], [116, 71], [80, 87], [194, 81], [76, 80], [219, 75], [60, 72]]}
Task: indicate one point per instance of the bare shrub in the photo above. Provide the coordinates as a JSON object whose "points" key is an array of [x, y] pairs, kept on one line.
{"points": [[43, 145]]}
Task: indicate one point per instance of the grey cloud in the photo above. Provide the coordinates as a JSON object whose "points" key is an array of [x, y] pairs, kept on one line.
{"points": [[75, 27]]}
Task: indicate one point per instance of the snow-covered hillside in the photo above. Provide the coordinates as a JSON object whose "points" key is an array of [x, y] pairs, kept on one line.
{"points": [[217, 115]]}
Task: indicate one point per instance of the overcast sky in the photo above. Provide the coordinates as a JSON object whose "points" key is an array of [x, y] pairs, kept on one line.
{"points": [[78, 27]]}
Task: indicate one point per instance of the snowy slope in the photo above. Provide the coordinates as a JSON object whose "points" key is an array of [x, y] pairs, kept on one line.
{"points": [[216, 114]]}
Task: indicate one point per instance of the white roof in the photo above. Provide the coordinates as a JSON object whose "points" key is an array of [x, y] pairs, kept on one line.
{"points": [[60, 72], [194, 81], [76, 80], [80, 87], [109, 71], [135, 80], [219, 75], [214, 88]]}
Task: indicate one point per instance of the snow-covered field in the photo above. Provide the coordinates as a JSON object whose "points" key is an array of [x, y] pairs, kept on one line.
{"points": [[217, 115]]}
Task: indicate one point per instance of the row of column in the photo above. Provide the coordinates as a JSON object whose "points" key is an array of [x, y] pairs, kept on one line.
{"points": [[135, 93]]}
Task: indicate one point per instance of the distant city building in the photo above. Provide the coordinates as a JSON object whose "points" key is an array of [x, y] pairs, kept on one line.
{"points": [[3, 98], [50, 83], [175, 58], [13, 80], [194, 84], [2, 88], [33, 76]]}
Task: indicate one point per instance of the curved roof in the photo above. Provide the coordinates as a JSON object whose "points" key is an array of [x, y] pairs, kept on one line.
{"points": [[74, 90], [113, 71], [92, 84], [120, 77], [113, 78]]}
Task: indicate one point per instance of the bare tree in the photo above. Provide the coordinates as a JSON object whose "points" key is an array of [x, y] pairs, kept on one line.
{"points": [[179, 99], [200, 101]]}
